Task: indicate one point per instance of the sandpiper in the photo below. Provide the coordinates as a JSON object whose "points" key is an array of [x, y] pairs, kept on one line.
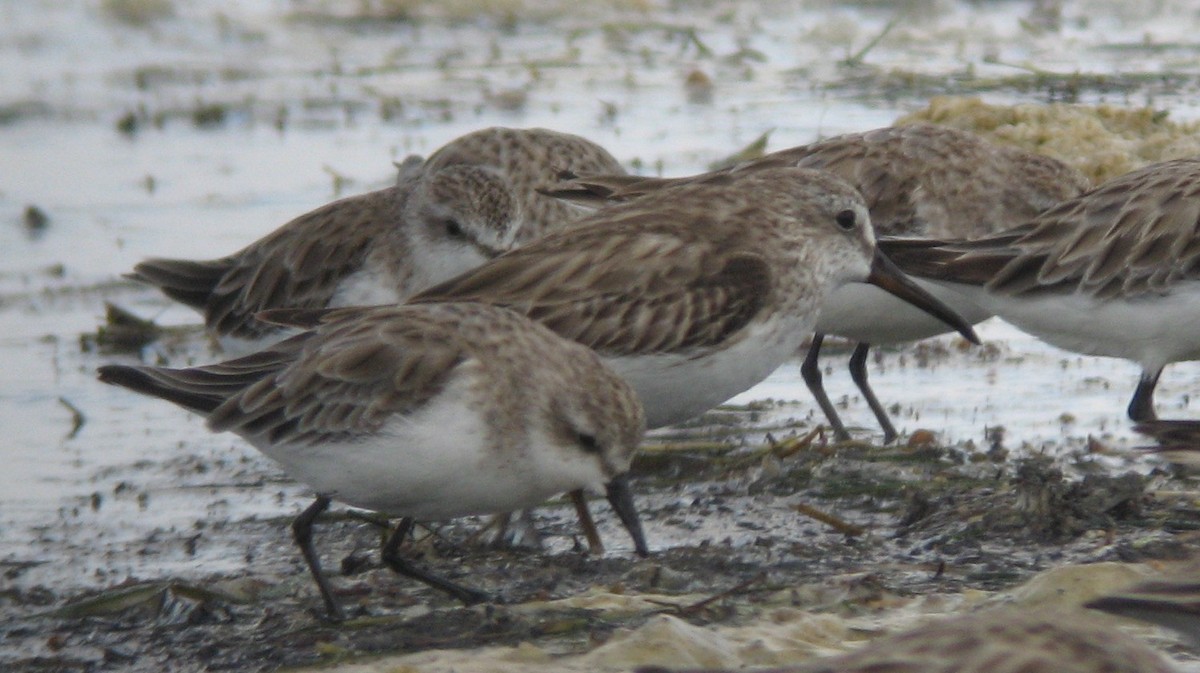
{"points": [[693, 293], [466, 203], [1112, 272], [921, 180], [426, 412]]}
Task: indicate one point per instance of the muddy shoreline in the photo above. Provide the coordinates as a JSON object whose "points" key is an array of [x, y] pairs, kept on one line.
{"points": [[134, 540], [729, 545]]}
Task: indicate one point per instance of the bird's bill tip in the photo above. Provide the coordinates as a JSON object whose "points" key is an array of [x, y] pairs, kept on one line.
{"points": [[621, 499], [888, 277]]}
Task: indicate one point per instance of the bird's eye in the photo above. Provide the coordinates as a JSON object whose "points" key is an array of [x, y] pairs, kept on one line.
{"points": [[587, 442], [846, 220], [454, 229]]}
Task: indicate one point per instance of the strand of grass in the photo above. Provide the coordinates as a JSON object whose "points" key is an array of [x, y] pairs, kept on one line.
{"points": [[856, 59], [693, 608], [77, 417], [837, 523]]}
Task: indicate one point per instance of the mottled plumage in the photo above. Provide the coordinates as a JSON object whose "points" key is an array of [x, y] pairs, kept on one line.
{"points": [[919, 180], [696, 292], [1112, 272], [1177, 441], [425, 412], [469, 201]]}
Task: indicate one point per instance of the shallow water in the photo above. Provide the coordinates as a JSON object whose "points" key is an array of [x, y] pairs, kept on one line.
{"points": [[317, 103], [193, 191]]}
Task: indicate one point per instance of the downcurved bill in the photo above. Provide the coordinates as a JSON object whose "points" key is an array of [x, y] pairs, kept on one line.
{"points": [[888, 277], [622, 503]]}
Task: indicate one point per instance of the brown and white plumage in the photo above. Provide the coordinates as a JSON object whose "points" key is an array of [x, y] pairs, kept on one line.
{"points": [[426, 412], [697, 292], [1133, 235], [637, 284], [529, 159], [918, 180], [1115, 271], [469, 201]]}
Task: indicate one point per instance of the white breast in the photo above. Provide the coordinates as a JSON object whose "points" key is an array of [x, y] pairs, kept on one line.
{"points": [[865, 313], [674, 388], [1152, 330], [438, 463]]}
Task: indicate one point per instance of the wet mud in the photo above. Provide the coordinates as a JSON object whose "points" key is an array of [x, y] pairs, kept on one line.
{"points": [[133, 540], [738, 528]]}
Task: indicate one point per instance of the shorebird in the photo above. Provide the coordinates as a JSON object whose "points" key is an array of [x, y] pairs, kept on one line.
{"points": [[921, 180], [1112, 272], [426, 412], [468, 202], [693, 293]]}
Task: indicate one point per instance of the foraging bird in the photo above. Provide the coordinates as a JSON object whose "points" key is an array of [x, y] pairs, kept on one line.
{"points": [[920, 180], [1113, 272], [471, 200], [427, 412]]}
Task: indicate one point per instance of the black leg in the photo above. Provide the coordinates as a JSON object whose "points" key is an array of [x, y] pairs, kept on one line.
{"points": [[1141, 407], [302, 532], [858, 372], [391, 556], [811, 371]]}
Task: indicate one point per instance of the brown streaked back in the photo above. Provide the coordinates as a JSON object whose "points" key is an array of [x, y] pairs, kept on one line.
{"points": [[1135, 234], [918, 180]]}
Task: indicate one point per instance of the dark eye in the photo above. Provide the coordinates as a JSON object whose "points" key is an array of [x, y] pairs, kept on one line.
{"points": [[454, 229], [846, 220], [588, 442]]}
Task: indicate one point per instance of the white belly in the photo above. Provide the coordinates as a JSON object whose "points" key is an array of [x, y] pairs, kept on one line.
{"points": [[368, 287], [437, 464], [674, 388], [865, 313], [1152, 330]]}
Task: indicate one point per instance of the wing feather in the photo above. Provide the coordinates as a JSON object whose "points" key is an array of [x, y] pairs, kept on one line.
{"points": [[595, 286], [1132, 235], [297, 265], [344, 379]]}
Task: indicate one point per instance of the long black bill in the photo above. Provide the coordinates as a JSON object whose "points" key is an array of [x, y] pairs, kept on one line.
{"points": [[888, 277], [622, 503]]}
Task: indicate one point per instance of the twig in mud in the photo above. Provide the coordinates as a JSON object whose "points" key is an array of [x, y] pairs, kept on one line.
{"points": [[77, 417], [684, 610], [780, 449], [372, 518], [122, 332], [840, 525], [793, 445]]}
